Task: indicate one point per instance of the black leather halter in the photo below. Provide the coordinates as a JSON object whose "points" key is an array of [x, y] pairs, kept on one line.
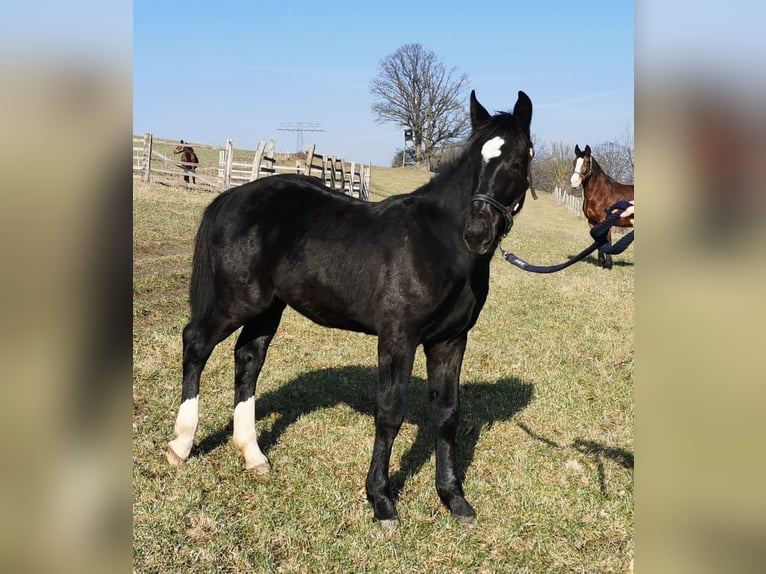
{"points": [[508, 212]]}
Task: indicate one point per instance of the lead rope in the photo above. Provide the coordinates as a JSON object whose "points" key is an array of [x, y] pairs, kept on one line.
{"points": [[598, 233]]}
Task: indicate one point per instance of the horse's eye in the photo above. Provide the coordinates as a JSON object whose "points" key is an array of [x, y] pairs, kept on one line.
{"points": [[516, 164]]}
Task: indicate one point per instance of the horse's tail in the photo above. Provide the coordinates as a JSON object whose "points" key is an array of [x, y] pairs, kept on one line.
{"points": [[202, 285]]}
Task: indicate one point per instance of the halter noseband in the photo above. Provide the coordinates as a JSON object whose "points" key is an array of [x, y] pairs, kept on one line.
{"points": [[505, 211]]}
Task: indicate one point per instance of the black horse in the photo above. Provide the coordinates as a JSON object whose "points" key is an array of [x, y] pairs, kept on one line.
{"points": [[412, 269]]}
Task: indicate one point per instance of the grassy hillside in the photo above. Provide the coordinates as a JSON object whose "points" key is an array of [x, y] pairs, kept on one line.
{"points": [[385, 181], [545, 436]]}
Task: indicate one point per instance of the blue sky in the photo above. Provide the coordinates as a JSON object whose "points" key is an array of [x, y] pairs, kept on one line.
{"points": [[207, 72]]}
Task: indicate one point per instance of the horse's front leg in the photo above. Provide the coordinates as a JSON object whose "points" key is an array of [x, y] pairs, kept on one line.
{"points": [[604, 259], [395, 357], [443, 363]]}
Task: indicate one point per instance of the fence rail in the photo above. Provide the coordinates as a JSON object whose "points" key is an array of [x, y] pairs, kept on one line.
{"points": [[220, 168]]}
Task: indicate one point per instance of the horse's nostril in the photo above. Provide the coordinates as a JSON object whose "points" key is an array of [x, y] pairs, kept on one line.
{"points": [[478, 238]]}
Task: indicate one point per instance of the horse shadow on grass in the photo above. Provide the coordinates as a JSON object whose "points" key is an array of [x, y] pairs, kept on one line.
{"points": [[481, 405], [595, 451]]}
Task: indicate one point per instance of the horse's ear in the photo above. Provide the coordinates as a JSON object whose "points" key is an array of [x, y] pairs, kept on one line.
{"points": [[578, 151], [522, 111], [479, 113], [587, 150]]}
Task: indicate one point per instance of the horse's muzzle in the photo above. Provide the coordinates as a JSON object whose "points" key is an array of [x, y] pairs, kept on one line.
{"points": [[479, 236]]}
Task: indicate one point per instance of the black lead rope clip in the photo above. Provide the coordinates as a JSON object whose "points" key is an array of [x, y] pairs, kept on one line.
{"points": [[598, 233]]}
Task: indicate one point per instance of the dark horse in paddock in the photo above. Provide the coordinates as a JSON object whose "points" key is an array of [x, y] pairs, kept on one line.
{"points": [[189, 160], [600, 192], [412, 269]]}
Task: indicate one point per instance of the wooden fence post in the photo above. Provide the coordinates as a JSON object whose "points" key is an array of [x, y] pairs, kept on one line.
{"points": [[257, 160], [342, 175], [330, 173], [309, 159], [229, 160], [147, 157], [270, 156], [364, 188]]}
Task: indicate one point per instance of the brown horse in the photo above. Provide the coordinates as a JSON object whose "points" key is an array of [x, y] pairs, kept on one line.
{"points": [[189, 160], [599, 193]]}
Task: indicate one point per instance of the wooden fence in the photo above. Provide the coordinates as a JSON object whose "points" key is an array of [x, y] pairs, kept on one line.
{"points": [[353, 178], [571, 202], [223, 167]]}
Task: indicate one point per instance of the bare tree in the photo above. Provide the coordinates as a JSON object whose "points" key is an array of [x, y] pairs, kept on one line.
{"points": [[552, 166], [414, 89], [616, 159]]}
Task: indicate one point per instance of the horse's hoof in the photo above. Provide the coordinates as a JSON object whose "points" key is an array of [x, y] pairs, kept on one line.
{"points": [[467, 521], [389, 525], [260, 469], [173, 458]]}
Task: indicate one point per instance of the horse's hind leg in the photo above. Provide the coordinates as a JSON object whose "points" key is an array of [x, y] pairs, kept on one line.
{"points": [[249, 355], [443, 364], [199, 340]]}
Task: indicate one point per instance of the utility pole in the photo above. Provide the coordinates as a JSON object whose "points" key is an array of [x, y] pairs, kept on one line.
{"points": [[300, 128]]}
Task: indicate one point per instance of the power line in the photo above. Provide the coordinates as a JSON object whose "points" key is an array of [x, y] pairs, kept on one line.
{"points": [[300, 128]]}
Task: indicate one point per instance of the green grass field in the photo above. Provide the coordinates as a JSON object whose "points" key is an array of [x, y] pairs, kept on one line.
{"points": [[545, 437]]}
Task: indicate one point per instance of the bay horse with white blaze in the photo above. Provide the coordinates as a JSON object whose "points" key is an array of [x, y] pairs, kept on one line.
{"points": [[189, 161], [600, 192], [412, 269]]}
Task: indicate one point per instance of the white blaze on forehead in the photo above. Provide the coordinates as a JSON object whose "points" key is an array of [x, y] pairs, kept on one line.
{"points": [[576, 177], [491, 148]]}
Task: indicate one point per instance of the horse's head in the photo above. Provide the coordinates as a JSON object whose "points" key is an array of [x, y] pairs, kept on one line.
{"points": [[582, 166], [181, 148], [501, 146]]}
